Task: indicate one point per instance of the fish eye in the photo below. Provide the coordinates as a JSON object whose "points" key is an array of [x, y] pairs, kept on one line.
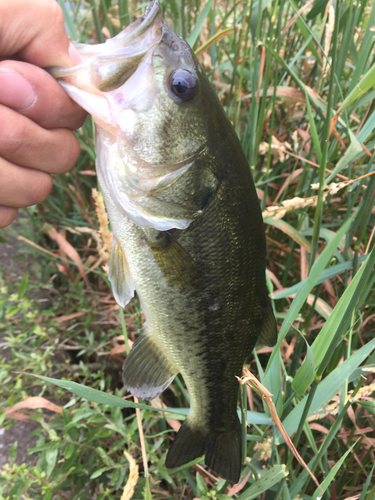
{"points": [[183, 84]]}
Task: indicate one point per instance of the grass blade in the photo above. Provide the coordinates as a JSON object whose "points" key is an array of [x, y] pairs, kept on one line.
{"points": [[305, 375], [365, 84], [326, 275], [328, 388], [265, 482], [198, 25], [70, 27], [333, 329], [98, 396], [307, 285], [332, 473]]}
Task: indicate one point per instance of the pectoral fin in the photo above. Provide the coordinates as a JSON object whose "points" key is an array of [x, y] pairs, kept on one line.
{"points": [[192, 191], [268, 335], [119, 275], [173, 260], [147, 371]]}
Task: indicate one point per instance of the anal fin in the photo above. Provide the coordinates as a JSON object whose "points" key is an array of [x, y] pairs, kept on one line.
{"points": [[147, 371], [119, 275]]}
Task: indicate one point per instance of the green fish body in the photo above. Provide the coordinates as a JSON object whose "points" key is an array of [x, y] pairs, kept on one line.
{"points": [[187, 226]]}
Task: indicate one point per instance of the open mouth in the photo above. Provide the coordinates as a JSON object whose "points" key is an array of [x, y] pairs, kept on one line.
{"points": [[108, 65]]}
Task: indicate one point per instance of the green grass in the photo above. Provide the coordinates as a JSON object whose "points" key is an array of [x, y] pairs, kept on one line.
{"points": [[278, 76]]}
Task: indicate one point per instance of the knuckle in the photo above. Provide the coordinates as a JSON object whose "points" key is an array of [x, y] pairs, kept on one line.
{"points": [[42, 188], [12, 138], [73, 152], [12, 148], [78, 118], [53, 12], [7, 216], [70, 151], [22, 186]]}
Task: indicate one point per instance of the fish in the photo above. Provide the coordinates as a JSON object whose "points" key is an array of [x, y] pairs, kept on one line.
{"points": [[188, 234]]}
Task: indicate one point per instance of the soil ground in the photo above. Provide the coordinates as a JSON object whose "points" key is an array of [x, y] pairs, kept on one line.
{"points": [[12, 269]]}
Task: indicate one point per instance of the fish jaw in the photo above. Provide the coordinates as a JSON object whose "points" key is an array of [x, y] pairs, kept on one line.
{"points": [[108, 66]]}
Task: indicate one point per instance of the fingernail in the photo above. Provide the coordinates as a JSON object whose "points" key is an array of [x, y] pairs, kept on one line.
{"points": [[74, 55], [16, 92]]}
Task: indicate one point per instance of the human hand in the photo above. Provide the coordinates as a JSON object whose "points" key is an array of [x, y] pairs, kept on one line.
{"points": [[36, 115]]}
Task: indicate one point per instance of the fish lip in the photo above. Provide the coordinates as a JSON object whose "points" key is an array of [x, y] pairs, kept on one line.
{"points": [[141, 25], [152, 12], [136, 29]]}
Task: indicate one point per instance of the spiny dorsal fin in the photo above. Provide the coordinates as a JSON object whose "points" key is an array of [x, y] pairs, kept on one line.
{"points": [[268, 335], [147, 371], [119, 275]]}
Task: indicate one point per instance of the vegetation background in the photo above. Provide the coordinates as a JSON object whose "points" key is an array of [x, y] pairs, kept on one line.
{"points": [[282, 70]]}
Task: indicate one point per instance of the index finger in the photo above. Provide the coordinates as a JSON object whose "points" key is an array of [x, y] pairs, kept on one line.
{"points": [[36, 35], [51, 107]]}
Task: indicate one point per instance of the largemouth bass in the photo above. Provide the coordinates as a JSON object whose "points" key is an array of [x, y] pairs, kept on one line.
{"points": [[187, 226]]}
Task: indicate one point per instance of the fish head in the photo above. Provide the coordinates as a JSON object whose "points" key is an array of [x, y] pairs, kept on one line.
{"points": [[154, 110], [146, 86], [172, 109]]}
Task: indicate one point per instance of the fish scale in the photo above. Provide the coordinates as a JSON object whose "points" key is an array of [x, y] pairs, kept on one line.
{"points": [[187, 226]]}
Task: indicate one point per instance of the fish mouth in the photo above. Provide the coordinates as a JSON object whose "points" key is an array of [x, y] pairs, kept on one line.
{"points": [[108, 65]]}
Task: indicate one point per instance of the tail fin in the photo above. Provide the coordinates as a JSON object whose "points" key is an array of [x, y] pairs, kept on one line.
{"points": [[223, 450], [224, 454], [189, 444]]}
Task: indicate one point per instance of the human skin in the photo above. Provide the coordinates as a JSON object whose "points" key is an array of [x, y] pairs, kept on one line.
{"points": [[36, 115]]}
